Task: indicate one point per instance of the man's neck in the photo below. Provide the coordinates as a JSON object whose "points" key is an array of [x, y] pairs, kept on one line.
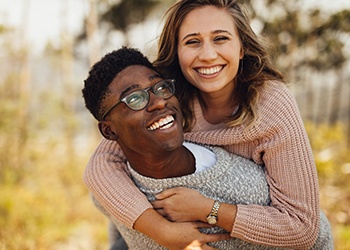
{"points": [[171, 164]]}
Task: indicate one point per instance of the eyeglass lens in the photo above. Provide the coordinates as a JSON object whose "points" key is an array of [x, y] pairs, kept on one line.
{"points": [[139, 99]]}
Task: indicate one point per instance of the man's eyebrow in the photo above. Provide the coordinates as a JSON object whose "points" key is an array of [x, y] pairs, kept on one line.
{"points": [[155, 76], [136, 86]]}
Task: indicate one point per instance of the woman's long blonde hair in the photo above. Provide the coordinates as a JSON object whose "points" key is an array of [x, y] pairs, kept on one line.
{"points": [[255, 67]]}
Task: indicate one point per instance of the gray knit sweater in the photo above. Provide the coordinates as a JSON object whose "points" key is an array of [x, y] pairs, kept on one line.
{"points": [[232, 179]]}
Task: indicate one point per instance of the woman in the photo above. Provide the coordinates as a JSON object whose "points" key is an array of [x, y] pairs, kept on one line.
{"points": [[231, 96]]}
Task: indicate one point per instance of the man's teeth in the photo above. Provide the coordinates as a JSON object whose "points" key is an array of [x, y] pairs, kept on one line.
{"points": [[209, 71], [163, 123]]}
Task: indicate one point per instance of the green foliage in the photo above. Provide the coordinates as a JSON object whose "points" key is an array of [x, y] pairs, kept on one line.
{"points": [[314, 36], [127, 12]]}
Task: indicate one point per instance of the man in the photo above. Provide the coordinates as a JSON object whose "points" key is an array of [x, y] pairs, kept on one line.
{"points": [[136, 108]]}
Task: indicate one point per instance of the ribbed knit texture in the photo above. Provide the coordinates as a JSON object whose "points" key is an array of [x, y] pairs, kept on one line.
{"points": [[108, 180], [278, 140], [231, 179]]}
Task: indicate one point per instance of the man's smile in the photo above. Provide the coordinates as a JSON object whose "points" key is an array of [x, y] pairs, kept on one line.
{"points": [[162, 123]]}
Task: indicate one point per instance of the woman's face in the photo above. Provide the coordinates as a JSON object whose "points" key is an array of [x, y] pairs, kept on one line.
{"points": [[209, 49]]}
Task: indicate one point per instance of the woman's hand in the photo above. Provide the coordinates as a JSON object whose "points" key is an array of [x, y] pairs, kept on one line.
{"points": [[182, 204], [176, 235], [185, 235]]}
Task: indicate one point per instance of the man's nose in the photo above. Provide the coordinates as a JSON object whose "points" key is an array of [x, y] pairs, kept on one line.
{"points": [[156, 102]]}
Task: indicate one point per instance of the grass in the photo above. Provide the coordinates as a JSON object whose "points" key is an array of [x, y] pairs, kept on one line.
{"points": [[45, 205]]}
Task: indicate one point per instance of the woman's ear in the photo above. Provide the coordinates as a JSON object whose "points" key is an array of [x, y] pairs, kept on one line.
{"points": [[241, 53], [106, 131]]}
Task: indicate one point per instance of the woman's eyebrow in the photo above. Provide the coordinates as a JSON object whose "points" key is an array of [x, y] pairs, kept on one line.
{"points": [[221, 31], [189, 35]]}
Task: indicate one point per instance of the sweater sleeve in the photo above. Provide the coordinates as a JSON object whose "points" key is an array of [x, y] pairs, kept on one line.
{"points": [[107, 179], [280, 142]]}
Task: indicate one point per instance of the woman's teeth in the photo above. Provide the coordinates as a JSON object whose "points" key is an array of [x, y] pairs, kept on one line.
{"points": [[163, 123], [209, 71]]}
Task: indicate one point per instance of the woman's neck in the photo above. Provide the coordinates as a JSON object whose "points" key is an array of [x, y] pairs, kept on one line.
{"points": [[217, 108]]}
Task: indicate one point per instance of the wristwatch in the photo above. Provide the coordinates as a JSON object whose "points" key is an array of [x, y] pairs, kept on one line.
{"points": [[212, 218]]}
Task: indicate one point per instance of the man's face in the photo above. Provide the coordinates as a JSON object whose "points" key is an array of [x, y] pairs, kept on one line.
{"points": [[155, 129]]}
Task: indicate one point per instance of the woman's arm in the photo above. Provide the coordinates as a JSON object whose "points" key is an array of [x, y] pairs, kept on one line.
{"points": [[182, 204], [279, 141], [176, 235], [107, 178], [116, 195]]}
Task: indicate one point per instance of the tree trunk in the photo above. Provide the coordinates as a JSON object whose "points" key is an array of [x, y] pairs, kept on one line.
{"points": [[67, 73], [24, 90], [92, 31], [94, 51]]}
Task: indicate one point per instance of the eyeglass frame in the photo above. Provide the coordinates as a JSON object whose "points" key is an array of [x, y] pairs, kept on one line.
{"points": [[145, 90]]}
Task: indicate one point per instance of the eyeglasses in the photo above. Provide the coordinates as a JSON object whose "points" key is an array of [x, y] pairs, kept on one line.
{"points": [[139, 99]]}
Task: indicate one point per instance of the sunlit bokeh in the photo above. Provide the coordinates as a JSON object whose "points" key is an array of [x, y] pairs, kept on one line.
{"points": [[47, 135]]}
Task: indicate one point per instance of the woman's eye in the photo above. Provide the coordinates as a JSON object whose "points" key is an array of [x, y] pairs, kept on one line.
{"points": [[220, 38], [192, 41]]}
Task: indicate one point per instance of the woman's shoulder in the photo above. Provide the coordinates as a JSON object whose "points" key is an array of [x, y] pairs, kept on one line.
{"points": [[275, 90], [277, 106], [275, 96]]}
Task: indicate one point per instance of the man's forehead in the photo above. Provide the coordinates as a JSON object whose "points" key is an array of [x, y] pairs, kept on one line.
{"points": [[135, 76], [136, 73]]}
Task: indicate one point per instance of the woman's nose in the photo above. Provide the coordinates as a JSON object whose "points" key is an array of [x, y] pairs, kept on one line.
{"points": [[207, 52]]}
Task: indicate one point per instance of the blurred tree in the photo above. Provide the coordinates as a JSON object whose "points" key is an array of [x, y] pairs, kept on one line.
{"points": [[67, 74], [92, 33], [117, 15], [15, 92], [24, 91], [295, 31], [310, 45], [123, 14]]}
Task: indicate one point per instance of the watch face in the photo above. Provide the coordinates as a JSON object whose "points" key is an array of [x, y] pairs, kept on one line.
{"points": [[211, 220]]}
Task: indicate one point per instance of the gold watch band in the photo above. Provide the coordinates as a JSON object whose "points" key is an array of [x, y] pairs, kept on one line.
{"points": [[212, 218]]}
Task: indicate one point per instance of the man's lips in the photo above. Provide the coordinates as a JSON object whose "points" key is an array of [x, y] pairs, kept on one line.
{"points": [[162, 123], [209, 71]]}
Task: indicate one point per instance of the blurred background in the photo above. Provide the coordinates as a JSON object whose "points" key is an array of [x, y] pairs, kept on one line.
{"points": [[47, 135]]}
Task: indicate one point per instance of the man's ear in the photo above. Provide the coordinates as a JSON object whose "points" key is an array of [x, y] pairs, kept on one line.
{"points": [[106, 131]]}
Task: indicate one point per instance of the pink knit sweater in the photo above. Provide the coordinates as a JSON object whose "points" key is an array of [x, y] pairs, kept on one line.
{"points": [[278, 140]]}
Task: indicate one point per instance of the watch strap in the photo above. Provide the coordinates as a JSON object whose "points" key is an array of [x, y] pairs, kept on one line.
{"points": [[212, 218]]}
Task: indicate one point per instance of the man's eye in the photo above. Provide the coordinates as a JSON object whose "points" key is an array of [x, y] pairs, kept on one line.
{"points": [[162, 88], [134, 98]]}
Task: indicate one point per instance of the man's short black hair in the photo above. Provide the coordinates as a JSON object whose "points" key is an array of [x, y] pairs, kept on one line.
{"points": [[103, 72]]}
